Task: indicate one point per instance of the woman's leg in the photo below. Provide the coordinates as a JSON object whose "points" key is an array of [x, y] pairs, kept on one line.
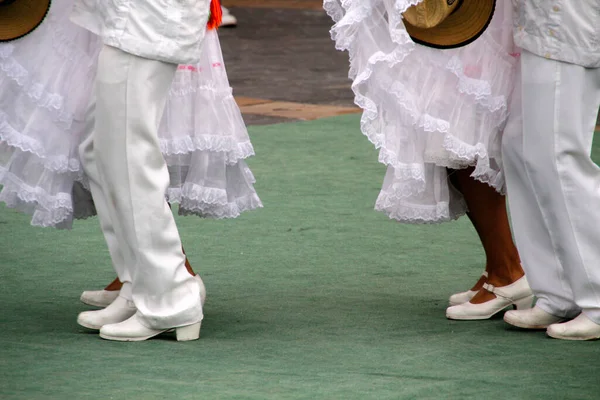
{"points": [[487, 212]]}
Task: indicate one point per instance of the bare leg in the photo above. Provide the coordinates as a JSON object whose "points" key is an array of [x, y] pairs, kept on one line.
{"points": [[487, 212]]}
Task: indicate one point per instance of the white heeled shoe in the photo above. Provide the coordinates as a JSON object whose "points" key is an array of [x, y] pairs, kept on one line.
{"points": [[517, 294], [464, 297], [580, 328], [132, 330], [118, 311], [102, 298], [534, 318]]}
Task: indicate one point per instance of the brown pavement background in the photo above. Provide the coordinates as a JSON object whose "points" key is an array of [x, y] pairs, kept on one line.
{"points": [[282, 63]]}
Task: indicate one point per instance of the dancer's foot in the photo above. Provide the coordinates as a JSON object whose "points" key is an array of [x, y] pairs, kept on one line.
{"points": [[513, 274], [132, 330], [463, 297], [118, 311], [581, 328], [102, 298], [99, 298], [534, 318], [517, 294]]}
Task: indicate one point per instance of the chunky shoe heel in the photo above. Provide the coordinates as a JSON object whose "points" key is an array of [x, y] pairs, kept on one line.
{"points": [[523, 304], [187, 333]]}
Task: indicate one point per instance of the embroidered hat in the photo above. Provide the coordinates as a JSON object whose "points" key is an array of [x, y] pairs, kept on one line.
{"points": [[20, 17], [446, 24]]}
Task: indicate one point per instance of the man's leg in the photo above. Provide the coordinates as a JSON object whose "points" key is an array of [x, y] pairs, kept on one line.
{"points": [[131, 94], [560, 104], [119, 305], [526, 162], [89, 163]]}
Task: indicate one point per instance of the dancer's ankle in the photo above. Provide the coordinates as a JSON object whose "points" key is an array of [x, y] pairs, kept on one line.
{"points": [[188, 266], [114, 285], [505, 278], [479, 284]]}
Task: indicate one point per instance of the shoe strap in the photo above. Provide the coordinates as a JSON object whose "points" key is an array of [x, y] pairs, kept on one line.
{"points": [[497, 291]]}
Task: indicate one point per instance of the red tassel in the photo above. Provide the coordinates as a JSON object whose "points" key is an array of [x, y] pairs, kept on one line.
{"points": [[216, 15]]}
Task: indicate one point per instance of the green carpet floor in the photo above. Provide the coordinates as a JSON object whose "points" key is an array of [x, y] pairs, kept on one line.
{"points": [[316, 296]]}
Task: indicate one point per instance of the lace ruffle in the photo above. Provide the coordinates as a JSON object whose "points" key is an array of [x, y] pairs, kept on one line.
{"points": [[204, 142], [13, 138], [47, 209], [418, 214], [478, 157], [211, 203]]}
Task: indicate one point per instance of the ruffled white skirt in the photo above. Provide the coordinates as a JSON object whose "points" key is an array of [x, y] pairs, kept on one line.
{"points": [[46, 80], [425, 109]]}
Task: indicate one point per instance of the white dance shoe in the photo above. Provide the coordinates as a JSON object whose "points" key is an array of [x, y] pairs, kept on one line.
{"points": [[534, 318], [99, 298], [102, 298], [132, 330], [517, 294], [464, 297], [580, 328], [118, 311]]}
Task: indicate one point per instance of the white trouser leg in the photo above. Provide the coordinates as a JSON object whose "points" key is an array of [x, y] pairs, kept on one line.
{"points": [[544, 271], [131, 93], [554, 186], [88, 161]]}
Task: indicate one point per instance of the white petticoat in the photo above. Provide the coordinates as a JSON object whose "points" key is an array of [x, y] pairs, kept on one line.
{"points": [[425, 109], [46, 79]]}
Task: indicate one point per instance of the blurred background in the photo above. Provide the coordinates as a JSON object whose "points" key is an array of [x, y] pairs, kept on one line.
{"points": [[281, 61]]}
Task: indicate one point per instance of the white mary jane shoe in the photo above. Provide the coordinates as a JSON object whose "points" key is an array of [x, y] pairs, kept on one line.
{"points": [[534, 318], [517, 294], [132, 330], [118, 311], [464, 297], [580, 328], [102, 298]]}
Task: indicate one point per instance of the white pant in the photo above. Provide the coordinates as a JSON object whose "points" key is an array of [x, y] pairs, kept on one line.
{"points": [[554, 186], [128, 178]]}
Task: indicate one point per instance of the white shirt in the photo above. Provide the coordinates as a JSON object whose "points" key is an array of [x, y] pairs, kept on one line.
{"points": [[164, 30], [563, 30]]}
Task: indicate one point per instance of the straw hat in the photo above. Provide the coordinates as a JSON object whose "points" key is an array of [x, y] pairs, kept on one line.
{"points": [[20, 17], [447, 24]]}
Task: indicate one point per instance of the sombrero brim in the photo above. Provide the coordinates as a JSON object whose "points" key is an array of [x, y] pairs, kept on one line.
{"points": [[460, 28], [20, 17]]}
